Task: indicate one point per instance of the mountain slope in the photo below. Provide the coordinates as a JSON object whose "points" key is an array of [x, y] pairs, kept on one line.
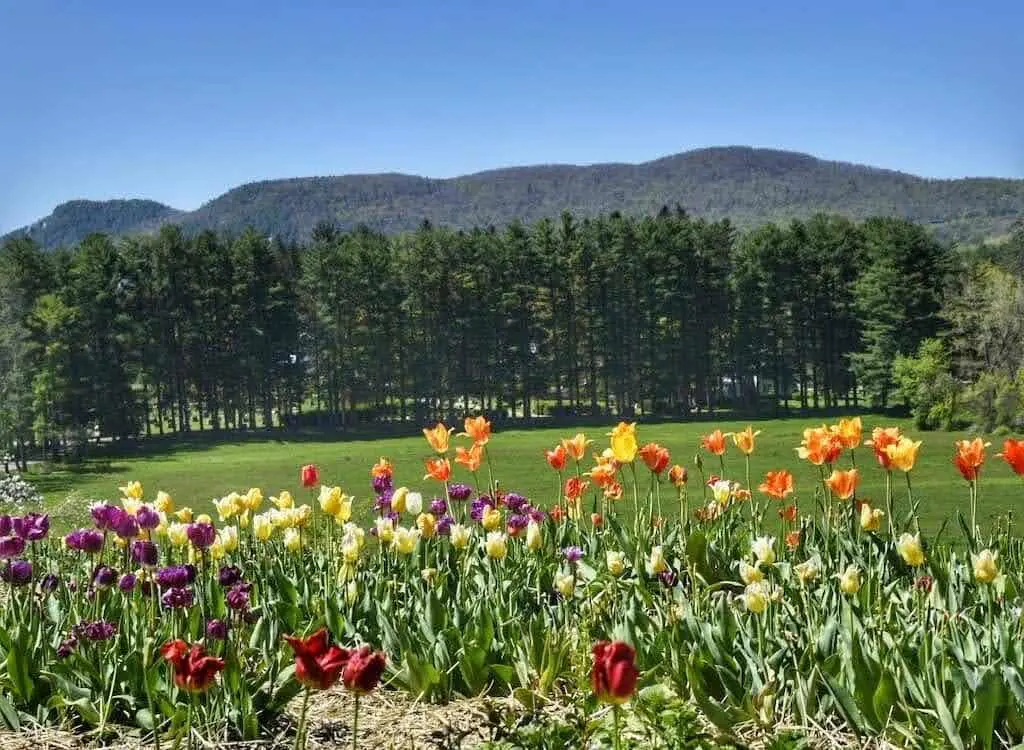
{"points": [[72, 221], [745, 184]]}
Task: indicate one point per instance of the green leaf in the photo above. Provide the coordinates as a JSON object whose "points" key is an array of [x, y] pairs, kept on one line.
{"points": [[946, 721], [987, 701], [8, 714], [846, 704]]}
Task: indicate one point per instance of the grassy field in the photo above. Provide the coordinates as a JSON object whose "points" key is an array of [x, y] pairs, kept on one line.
{"points": [[194, 476]]}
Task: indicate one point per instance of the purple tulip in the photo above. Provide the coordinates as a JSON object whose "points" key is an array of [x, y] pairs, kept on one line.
{"points": [[238, 597], [514, 502], [126, 527], [444, 525], [11, 546], [49, 582], [35, 526], [6, 525], [229, 575], [217, 630], [202, 535], [382, 484], [383, 504], [148, 518], [536, 514], [145, 553], [517, 523], [105, 516], [127, 583], [17, 572], [459, 492], [178, 598], [67, 647], [85, 540], [668, 578], [438, 506], [101, 630], [482, 503], [104, 577], [175, 577]]}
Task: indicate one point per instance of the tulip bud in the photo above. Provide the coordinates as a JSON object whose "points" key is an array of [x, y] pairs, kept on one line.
{"points": [[534, 539], [849, 580], [616, 562], [986, 567]]}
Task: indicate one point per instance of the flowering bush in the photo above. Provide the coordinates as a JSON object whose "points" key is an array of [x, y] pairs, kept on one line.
{"points": [[755, 599], [16, 492]]}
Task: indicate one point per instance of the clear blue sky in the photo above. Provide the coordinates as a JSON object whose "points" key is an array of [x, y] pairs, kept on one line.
{"points": [[179, 101]]}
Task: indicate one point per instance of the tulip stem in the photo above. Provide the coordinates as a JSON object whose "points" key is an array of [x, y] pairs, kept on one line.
{"points": [[355, 722], [617, 719], [299, 742]]}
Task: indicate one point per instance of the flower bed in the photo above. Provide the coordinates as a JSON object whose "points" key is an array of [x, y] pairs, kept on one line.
{"points": [[642, 591]]}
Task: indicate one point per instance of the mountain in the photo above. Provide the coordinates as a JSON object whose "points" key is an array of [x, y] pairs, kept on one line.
{"points": [[747, 185]]}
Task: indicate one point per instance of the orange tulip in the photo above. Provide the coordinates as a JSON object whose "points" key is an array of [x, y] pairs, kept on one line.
{"points": [[793, 539], [843, 483], [603, 474], [655, 456], [438, 468], [382, 468], [849, 432], [477, 428], [613, 491], [714, 443], [969, 456], [881, 439], [557, 514], [820, 446], [777, 484], [471, 457], [556, 458], [437, 436], [678, 475], [596, 520], [788, 513], [1013, 454], [745, 440], [576, 446], [574, 488]]}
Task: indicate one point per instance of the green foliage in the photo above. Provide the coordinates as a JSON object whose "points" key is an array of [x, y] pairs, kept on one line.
{"points": [[750, 186], [926, 385]]}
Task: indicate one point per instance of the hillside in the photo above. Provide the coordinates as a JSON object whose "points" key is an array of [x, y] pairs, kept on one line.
{"points": [[745, 184]]}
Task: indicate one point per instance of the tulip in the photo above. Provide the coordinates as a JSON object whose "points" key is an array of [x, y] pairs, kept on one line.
{"points": [[164, 503], [184, 515], [807, 571], [614, 674], [478, 429], [755, 598], [202, 535], [426, 523], [178, 598], [788, 513], [405, 540], [11, 546], [17, 572], [881, 439], [310, 476], [777, 484], [438, 468], [655, 457], [714, 443], [194, 670], [437, 436], [217, 630], [132, 490], [793, 539], [145, 553], [565, 584], [330, 500], [262, 526], [903, 453], [871, 518], [414, 503], [228, 538], [843, 483], [849, 432], [678, 475], [363, 670], [573, 554], [238, 597], [147, 518], [849, 580], [969, 456], [616, 562], [1013, 454], [750, 573], [909, 547], [763, 549], [556, 458], [534, 539], [318, 664], [292, 540], [576, 446], [460, 536], [820, 446], [470, 458], [496, 545], [721, 491], [385, 530], [491, 519], [744, 440], [986, 566], [656, 564]]}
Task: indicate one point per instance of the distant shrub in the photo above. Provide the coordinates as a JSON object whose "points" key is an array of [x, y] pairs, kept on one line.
{"points": [[18, 493]]}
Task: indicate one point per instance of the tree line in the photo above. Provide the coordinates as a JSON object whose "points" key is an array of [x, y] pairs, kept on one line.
{"points": [[666, 314]]}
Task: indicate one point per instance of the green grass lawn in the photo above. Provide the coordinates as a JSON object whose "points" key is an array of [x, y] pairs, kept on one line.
{"points": [[193, 476]]}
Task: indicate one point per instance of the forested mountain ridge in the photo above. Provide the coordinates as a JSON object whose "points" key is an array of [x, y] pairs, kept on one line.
{"points": [[750, 186]]}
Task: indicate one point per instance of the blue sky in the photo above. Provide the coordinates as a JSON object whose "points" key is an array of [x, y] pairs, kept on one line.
{"points": [[180, 101]]}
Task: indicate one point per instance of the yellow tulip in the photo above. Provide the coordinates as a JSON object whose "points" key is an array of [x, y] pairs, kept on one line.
{"points": [[262, 526], [745, 440], [616, 562], [429, 575], [871, 518], [351, 593], [565, 584], [131, 505], [253, 499], [491, 519], [986, 566], [496, 545], [164, 503], [177, 534], [184, 515], [534, 538], [385, 530], [330, 500], [226, 507], [427, 524], [623, 441], [292, 540], [243, 520], [755, 598], [132, 490], [460, 536], [903, 453], [216, 550], [849, 580], [909, 547], [763, 549], [283, 501], [721, 491], [807, 571], [405, 540], [398, 499], [204, 518], [229, 538], [656, 564], [750, 574]]}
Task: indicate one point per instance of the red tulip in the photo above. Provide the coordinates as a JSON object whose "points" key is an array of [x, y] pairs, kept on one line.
{"points": [[614, 674], [310, 475], [194, 669], [1013, 454], [318, 665], [364, 670], [556, 458]]}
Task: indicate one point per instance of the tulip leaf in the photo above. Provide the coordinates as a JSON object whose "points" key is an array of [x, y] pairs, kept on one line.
{"points": [[987, 701], [846, 704], [8, 714], [946, 721]]}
